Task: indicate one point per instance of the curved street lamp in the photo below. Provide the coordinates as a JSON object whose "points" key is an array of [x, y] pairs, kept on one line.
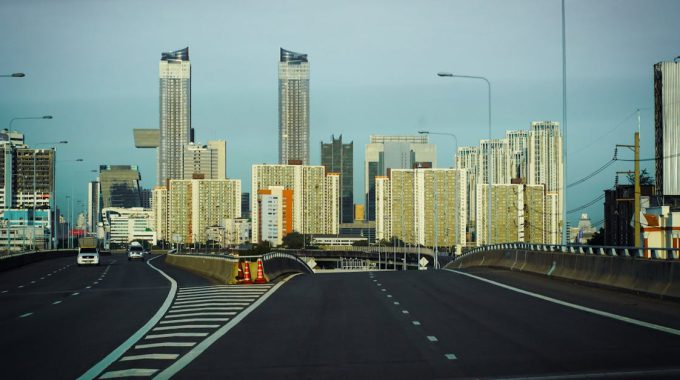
{"points": [[46, 117], [14, 75]]}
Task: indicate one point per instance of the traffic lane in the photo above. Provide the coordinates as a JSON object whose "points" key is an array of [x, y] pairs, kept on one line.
{"points": [[322, 326], [183, 277], [642, 307], [64, 340], [41, 285], [19, 278], [497, 332]]}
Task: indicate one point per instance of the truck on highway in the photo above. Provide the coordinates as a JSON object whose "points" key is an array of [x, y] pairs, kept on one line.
{"points": [[88, 251]]}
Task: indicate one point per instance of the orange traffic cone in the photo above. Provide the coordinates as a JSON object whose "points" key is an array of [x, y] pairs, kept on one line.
{"points": [[247, 279], [239, 273], [260, 273]]}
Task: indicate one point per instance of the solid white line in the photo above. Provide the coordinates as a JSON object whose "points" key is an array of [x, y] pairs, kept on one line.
{"points": [[194, 320], [173, 310], [180, 327], [575, 306], [132, 372], [432, 338], [199, 314], [165, 344], [149, 356], [191, 355], [118, 352], [176, 335]]}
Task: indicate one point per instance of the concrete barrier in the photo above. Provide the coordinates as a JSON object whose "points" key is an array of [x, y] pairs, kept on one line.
{"points": [[657, 277], [18, 260], [223, 268]]}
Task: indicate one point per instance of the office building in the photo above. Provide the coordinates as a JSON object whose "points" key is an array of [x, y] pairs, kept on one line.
{"points": [[293, 108], [315, 208], [359, 212], [145, 197], [119, 186], [205, 161], [175, 113], [422, 206], [245, 205], [546, 167], [125, 225], [337, 157], [667, 127], [196, 205], [93, 205], [385, 153]]}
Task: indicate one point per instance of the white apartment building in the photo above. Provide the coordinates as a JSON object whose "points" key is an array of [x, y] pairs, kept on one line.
{"points": [[124, 225]]}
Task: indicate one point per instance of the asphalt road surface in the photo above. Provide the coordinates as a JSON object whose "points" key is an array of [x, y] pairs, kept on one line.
{"points": [[58, 320]]}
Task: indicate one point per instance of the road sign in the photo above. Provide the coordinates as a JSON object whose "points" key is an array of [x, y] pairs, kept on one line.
{"points": [[177, 238], [423, 263]]}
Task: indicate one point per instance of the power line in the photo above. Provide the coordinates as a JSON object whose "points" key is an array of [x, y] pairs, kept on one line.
{"points": [[597, 171]]}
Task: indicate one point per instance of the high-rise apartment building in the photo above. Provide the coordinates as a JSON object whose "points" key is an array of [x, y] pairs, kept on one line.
{"points": [[667, 127], [205, 161], [546, 167], [517, 214], [467, 158], [119, 186], [293, 108], [275, 205], [517, 149], [385, 153], [175, 113], [159, 206], [315, 196], [337, 157], [422, 206], [195, 205], [497, 171]]}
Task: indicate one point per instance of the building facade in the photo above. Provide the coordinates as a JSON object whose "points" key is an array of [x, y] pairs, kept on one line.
{"points": [[205, 161], [159, 205], [337, 157], [119, 186], [293, 107], [426, 207], [175, 113], [124, 225], [93, 205], [667, 127], [197, 204], [385, 153], [315, 208]]}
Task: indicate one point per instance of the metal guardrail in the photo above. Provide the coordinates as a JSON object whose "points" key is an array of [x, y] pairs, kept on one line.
{"points": [[641, 253]]}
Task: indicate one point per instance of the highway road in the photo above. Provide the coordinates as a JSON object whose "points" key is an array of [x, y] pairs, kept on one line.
{"points": [[61, 321]]}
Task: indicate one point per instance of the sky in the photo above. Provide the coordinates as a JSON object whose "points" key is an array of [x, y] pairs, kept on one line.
{"points": [[93, 66]]}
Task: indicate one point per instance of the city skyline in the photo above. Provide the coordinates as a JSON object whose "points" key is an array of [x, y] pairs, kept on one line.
{"points": [[380, 98]]}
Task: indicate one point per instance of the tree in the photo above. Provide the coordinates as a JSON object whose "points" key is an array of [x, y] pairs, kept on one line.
{"points": [[360, 243], [293, 240], [598, 237], [262, 248], [645, 179]]}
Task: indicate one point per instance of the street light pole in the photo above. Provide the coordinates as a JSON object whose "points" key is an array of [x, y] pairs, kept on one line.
{"points": [[490, 162], [14, 75], [12, 120]]}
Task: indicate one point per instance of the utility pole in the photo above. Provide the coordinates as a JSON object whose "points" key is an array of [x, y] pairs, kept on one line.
{"points": [[636, 216]]}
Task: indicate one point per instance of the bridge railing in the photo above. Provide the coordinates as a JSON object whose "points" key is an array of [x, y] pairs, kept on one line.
{"points": [[596, 250]]}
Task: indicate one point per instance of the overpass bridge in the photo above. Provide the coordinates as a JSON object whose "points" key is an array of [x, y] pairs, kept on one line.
{"points": [[487, 314]]}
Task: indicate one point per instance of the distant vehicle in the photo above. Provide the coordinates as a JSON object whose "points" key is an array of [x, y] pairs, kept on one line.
{"points": [[135, 251], [88, 253]]}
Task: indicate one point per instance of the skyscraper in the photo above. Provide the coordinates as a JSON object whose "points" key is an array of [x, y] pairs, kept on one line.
{"points": [[175, 113], [667, 127], [93, 205], [119, 186], [293, 108], [339, 158], [205, 161]]}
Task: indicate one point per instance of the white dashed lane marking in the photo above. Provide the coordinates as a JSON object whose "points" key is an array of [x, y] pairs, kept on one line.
{"points": [[25, 315], [416, 323], [56, 302], [432, 338], [450, 356]]}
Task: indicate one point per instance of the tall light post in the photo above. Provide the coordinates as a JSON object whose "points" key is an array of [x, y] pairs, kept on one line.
{"points": [[488, 154], [67, 197], [14, 75], [34, 177], [12, 120]]}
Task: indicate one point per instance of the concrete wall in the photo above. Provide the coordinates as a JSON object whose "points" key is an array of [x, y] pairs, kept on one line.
{"points": [[15, 261], [654, 277], [223, 269]]}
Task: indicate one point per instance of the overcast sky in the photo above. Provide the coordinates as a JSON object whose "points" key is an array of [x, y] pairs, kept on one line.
{"points": [[93, 65]]}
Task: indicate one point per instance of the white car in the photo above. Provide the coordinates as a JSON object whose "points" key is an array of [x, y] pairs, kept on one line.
{"points": [[136, 252], [88, 256]]}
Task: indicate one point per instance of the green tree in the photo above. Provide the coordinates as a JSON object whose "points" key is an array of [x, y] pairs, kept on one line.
{"points": [[598, 237], [293, 240], [645, 179]]}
